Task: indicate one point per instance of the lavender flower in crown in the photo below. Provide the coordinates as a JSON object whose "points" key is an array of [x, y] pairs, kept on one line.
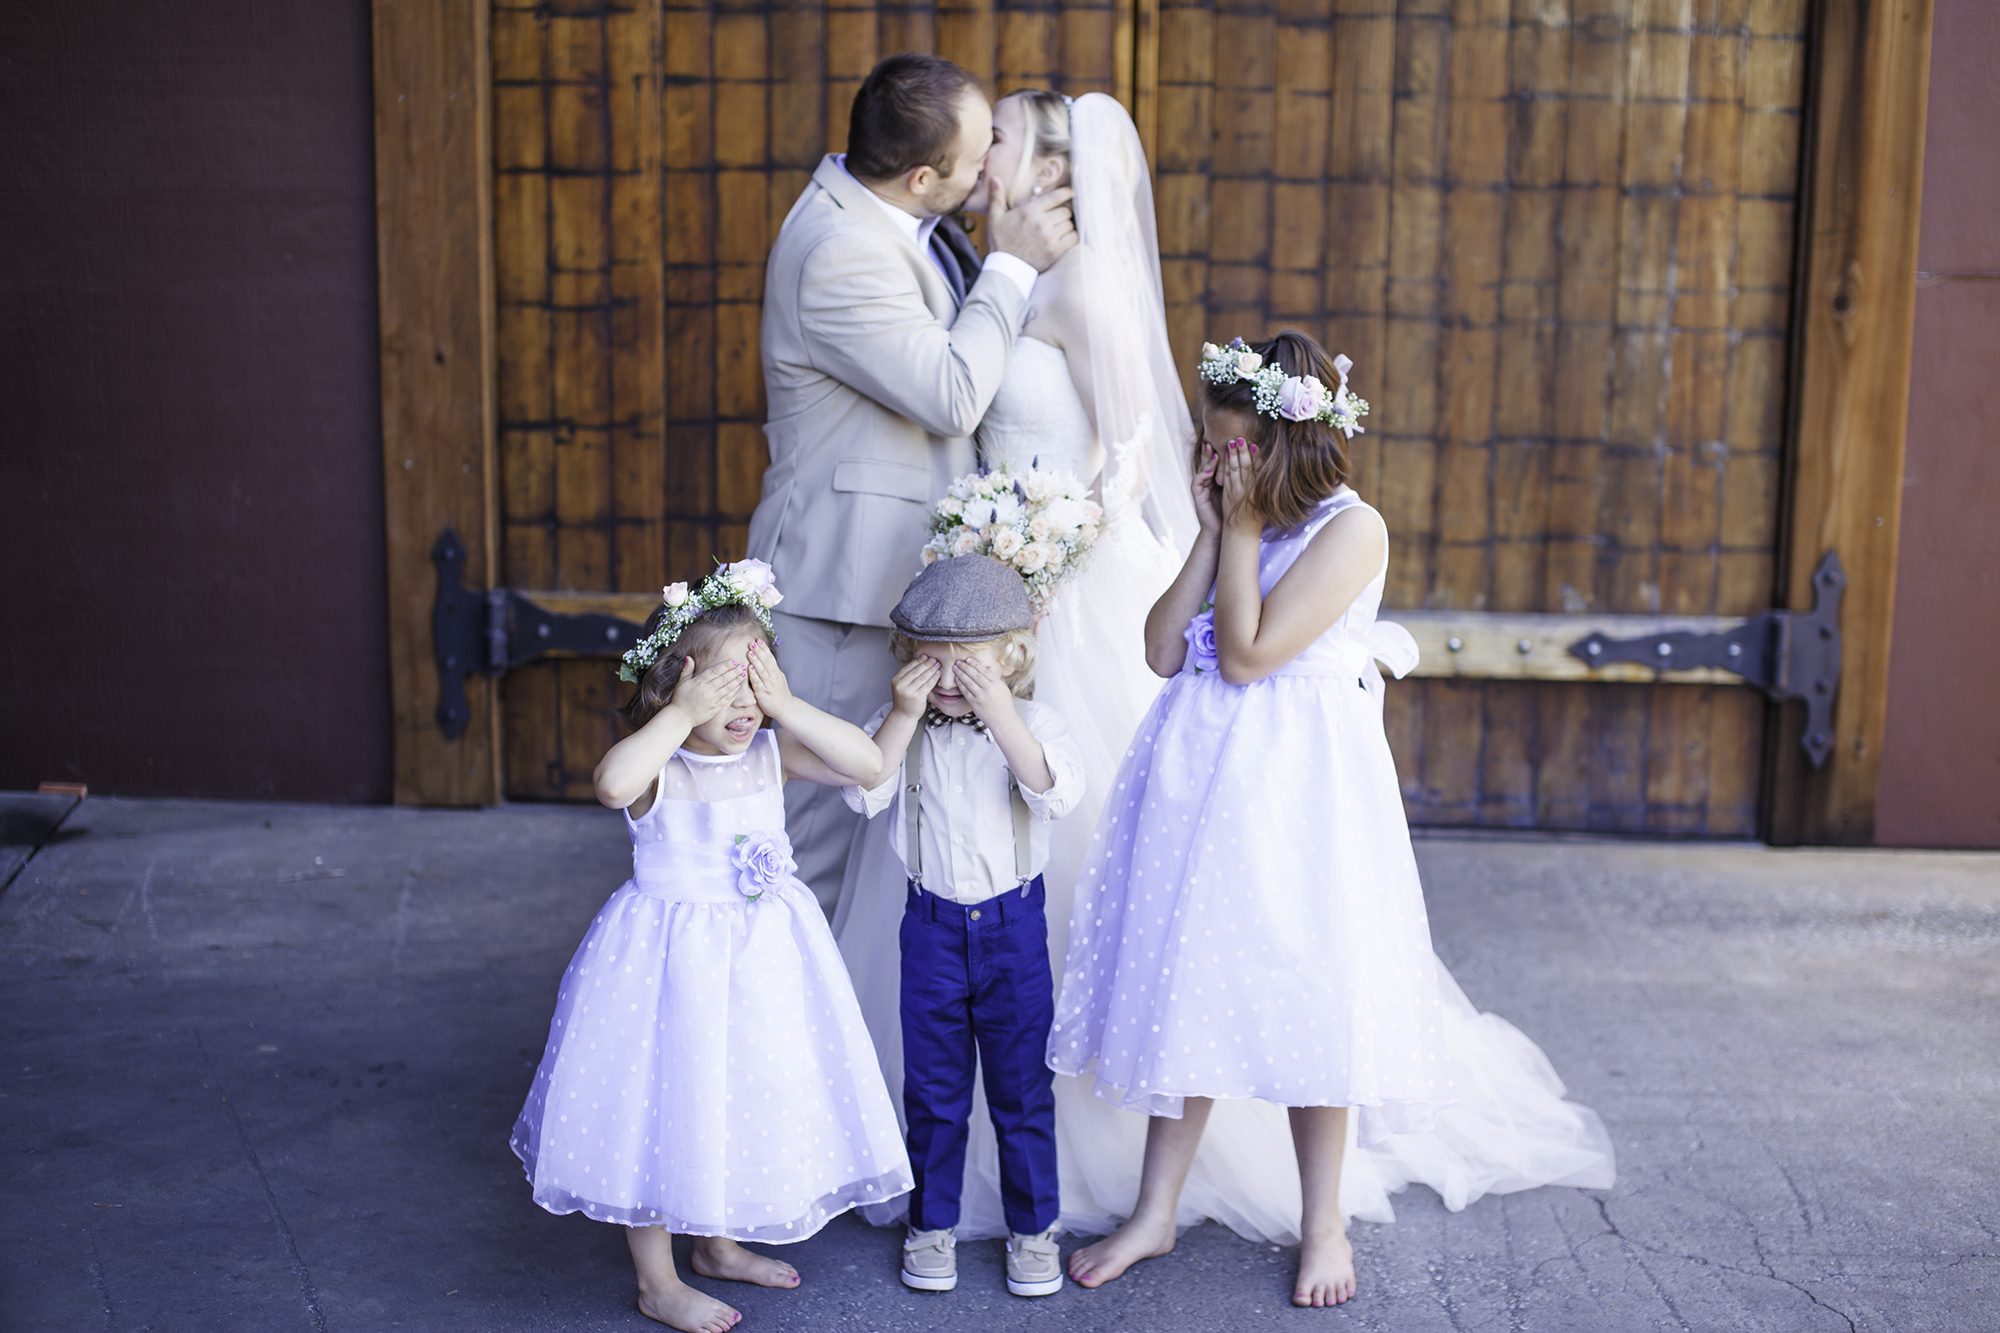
{"points": [[1282, 396], [745, 583], [1041, 523], [763, 860]]}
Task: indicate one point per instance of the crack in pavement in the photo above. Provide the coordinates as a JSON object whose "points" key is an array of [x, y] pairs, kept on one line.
{"points": [[1769, 1273], [299, 1270]]}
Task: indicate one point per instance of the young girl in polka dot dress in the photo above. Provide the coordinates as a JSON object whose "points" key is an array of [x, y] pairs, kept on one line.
{"points": [[1249, 922], [708, 1071]]}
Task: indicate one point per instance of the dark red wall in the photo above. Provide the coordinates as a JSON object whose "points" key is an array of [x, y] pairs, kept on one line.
{"points": [[1941, 753], [191, 573]]}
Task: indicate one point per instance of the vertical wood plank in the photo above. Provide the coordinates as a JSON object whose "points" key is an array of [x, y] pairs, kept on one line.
{"points": [[433, 201], [1852, 378]]}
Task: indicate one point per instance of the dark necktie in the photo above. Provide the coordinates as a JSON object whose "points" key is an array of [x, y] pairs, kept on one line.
{"points": [[941, 251]]}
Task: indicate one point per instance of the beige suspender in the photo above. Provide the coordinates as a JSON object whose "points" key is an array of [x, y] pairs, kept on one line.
{"points": [[913, 813]]}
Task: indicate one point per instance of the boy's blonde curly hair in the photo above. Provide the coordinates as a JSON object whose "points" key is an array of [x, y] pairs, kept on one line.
{"points": [[1018, 653]]}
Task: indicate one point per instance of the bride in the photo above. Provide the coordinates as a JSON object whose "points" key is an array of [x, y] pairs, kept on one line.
{"points": [[1091, 390]]}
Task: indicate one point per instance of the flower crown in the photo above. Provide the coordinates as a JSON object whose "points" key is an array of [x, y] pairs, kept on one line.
{"points": [[1292, 397], [745, 583]]}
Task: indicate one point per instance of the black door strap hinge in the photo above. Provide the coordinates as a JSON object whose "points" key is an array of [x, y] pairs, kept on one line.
{"points": [[490, 633], [1786, 654]]}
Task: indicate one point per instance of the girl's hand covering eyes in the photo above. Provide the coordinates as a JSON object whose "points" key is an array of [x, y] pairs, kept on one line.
{"points": [[708, 692], [1205, 510], [767, 682], [1238, 473]]}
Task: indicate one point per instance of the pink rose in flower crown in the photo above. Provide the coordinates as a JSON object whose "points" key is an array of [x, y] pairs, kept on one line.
{"points": [[1200, 636], [1301, 397]]}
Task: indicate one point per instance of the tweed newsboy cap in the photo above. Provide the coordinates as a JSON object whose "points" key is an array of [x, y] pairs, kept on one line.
{"points": [[963, 599]]}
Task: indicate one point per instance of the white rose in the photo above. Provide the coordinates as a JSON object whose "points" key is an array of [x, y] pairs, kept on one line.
{"points": [[1092, 511], [674, 594], [1032, 557], [1087, 534], [930, 555], [1052, 556], [950, 507], [769, 597], [1006, 542], [1248, 363], [750, 576], [964, 541], [1209, 351], [1040, 528], [1039, 486]]}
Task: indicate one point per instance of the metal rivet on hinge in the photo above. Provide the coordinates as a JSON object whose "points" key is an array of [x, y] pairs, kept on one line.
{"points": [[1665, 649], [1454, 643], [1526, 645]]}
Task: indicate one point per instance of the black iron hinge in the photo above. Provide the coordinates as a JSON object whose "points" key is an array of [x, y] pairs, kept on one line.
{"points": [[490, 633], [1786, 654]]}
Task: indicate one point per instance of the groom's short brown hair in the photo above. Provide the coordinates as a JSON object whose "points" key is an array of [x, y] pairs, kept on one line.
{"points": [[905, 116]]}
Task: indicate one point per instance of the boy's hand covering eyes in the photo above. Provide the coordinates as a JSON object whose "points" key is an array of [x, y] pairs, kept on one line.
{"points": [[911, 687], [985, 688]]}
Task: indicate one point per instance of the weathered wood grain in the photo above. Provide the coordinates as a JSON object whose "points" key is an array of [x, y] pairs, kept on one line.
{"points": [[1851, 372], [433, 199]]}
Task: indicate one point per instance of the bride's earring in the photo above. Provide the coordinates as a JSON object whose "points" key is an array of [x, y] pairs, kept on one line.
{"points": [[1037, 194]]}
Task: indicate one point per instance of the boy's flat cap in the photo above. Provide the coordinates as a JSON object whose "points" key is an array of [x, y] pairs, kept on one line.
{"points": [[963, 599]]}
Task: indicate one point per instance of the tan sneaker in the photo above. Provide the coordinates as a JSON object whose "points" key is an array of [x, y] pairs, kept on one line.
{"points": [[930, 1260], [1034, 1267]]}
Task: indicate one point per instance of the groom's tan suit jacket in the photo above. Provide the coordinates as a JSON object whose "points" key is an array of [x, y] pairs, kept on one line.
{"points": [[875, 378]]}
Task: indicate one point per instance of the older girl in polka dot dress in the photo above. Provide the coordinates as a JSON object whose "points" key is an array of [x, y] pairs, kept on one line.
{"points": [[708, 1071], [1249, 922]]}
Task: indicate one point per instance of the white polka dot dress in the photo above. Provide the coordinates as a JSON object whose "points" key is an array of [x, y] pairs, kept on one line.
{"points": [[707, 1067], [1249, 923]]}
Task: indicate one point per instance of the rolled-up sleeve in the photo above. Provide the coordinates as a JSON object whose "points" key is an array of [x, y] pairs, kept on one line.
{"points": [[869, 802], [1065, 761]]}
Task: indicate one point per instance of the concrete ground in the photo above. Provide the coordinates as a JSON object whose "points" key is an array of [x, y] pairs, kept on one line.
{"points": [[260, 1064]]}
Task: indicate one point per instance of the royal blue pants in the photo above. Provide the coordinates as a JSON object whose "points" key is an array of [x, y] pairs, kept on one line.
{"points": [[977, 994]]}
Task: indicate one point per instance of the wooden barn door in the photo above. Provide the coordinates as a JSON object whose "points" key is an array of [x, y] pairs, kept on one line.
{"points": [[1557, 240], [644, 158]]}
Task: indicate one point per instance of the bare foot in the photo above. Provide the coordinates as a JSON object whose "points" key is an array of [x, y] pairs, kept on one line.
{"points": [[682, 1307], [1326, 1271], [715, 1257], [1095, 1265]]}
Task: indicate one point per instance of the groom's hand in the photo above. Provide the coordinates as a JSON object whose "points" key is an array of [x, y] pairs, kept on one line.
{"points": [[1039, 232]]}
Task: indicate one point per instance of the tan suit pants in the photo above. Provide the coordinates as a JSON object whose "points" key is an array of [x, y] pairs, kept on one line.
{"points": [[845, 670]]}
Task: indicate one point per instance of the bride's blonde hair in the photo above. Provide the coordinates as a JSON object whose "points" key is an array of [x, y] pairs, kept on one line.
{"points": [[1047, 117]]}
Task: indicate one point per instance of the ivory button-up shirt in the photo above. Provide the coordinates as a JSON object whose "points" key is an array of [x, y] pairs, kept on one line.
{"points": [[968, 814]]}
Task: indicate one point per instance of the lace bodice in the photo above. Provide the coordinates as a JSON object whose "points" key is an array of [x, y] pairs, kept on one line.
{"points": [[1038, 419]]}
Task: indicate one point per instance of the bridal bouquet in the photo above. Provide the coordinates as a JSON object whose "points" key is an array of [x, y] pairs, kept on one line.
{"points": [[1042, 524]]}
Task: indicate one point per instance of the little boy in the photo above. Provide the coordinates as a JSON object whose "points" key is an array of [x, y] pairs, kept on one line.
{"points": [[988, 772]]}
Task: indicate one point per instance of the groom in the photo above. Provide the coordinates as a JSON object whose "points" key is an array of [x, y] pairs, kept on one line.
{"points": [[884, 340]]}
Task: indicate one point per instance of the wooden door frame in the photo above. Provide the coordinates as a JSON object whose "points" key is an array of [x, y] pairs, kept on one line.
{"points": [[434, 265], [1854, 309], [1867, 65]]}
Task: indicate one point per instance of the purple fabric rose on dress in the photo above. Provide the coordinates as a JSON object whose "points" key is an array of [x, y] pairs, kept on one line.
{"points": [[1200, 636], [1300, 398], [762, 860]]}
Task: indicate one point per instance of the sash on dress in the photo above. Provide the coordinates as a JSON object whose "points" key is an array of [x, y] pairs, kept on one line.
{"points": [[677, 873]]}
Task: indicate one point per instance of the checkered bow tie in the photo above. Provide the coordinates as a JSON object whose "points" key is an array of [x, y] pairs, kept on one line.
{"points": [[935, 718]]}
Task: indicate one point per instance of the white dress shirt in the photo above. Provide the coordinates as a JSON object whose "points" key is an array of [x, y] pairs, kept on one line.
{"points": [[1011, 267], [968, 813]]}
